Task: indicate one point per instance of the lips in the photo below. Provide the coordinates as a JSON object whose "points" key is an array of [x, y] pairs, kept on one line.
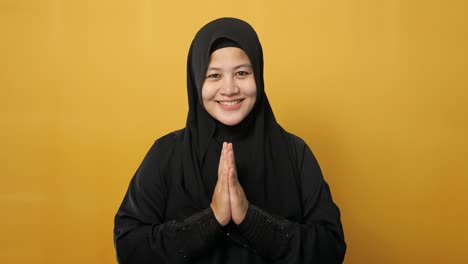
{"points": [[230, 102]]}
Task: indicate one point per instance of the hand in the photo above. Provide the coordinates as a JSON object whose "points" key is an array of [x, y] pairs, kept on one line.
{"points": [[238, 200], [220, 202]]}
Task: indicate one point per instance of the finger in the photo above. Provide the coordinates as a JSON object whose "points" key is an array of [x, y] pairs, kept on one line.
{"points": [[225, 172], [222, 161], [233, 184], [231, 161], [230, 177], [226, 158], [232, 149], [224, 150]]}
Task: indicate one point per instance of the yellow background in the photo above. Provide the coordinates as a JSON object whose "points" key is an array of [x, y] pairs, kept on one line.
{"points": [[377, 88]]}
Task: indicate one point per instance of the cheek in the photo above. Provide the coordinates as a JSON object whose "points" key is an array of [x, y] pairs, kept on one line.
{"points": [[251, 90], [206, 92]]}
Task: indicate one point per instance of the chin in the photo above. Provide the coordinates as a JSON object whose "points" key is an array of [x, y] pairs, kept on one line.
{"points": [[230, 122]]}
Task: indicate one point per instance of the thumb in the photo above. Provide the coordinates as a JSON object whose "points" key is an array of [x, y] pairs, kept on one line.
{"points": [[232, 179]]}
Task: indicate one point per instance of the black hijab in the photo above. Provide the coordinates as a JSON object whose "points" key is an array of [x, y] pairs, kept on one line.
{"points": [[262, 148]]}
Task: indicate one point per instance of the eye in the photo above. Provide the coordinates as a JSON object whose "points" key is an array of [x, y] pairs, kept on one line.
{"points": [[242, 73], [213, 76]]}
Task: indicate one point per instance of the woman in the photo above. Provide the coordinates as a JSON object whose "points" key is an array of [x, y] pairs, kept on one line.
{"points": [[232, 186]]}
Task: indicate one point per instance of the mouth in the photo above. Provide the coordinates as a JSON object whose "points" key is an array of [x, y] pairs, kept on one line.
{"points": [[230, 103]]}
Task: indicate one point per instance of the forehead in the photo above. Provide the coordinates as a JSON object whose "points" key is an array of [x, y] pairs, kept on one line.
{"points": [[228, 55]]}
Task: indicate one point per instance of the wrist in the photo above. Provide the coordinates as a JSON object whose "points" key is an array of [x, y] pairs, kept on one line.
{"points": [[222, 220], [241, 217]]}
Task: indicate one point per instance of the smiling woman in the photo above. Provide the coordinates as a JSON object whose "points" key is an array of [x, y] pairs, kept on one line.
{"points": [[232, 186]]}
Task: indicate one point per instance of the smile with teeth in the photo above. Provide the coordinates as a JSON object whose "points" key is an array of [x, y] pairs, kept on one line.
{"points": [[229, 103]]}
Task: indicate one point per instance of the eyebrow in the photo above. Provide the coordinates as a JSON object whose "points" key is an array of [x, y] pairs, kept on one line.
{"points": [[235, 68]]}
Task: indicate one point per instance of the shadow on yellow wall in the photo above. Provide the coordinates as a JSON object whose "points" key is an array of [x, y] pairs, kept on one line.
{"points": [[377, 88]]}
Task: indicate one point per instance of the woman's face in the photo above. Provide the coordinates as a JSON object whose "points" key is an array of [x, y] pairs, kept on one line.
{"points": [[229, 90]]}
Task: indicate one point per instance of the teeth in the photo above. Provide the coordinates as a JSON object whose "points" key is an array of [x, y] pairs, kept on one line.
{"points": [[229, 103]]}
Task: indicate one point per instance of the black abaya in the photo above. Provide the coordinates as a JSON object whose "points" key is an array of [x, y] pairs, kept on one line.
{"points": [[166, 217]]}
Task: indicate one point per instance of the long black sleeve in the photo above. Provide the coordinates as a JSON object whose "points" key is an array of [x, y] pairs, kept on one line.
{"points": [[142, 236], [317, 238]]}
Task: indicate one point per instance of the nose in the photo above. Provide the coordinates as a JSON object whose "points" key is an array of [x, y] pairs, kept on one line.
{"points": [[229, 86]]}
